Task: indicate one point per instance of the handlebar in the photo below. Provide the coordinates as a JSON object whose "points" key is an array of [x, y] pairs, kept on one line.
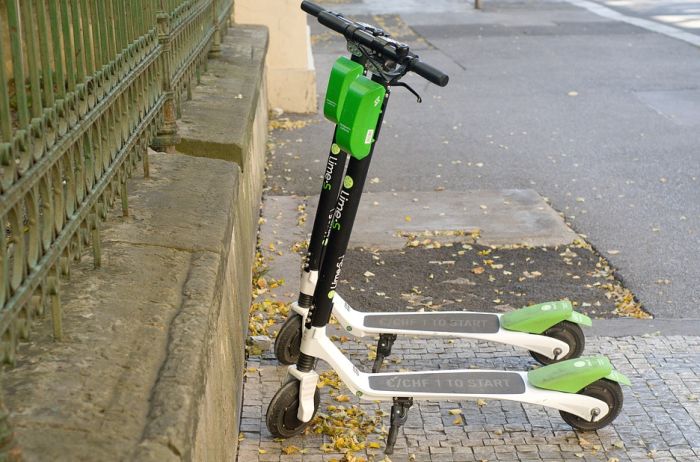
{"points": [[311, 8], [356, 33]]}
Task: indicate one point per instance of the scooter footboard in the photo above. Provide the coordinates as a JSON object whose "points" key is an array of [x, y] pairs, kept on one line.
{"points": [[449, 382], [445, 322], [469, 385], [461, 324], [461, 384]]}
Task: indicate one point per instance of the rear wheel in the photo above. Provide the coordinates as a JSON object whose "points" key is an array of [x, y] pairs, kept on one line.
{"points": [[281, 418], [569, 333], [605, 390], [288, 341]]}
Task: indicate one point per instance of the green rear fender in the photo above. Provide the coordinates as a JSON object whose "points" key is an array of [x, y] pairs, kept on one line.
{"points": [[536, 319], [572, 375]]}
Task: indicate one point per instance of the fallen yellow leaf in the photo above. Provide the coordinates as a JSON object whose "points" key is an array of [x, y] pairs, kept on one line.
{"points": [[291, 450]]}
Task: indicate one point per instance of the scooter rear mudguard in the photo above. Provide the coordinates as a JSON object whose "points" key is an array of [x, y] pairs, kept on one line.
{"points": [[573, 375], [536, 319]]}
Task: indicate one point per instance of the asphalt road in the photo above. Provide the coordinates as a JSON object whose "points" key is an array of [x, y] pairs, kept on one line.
{"points": [[600, 117]]}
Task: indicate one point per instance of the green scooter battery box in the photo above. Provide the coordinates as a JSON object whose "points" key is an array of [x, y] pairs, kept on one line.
{"points": [[358, 121], [343, 73]]}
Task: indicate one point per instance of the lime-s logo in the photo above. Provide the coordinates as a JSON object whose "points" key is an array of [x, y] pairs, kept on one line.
{"points": [[377, 101]]}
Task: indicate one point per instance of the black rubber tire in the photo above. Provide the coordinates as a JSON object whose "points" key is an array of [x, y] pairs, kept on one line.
{"points": [[569, 333], [605, 390], [288, 341], [281, 418]]}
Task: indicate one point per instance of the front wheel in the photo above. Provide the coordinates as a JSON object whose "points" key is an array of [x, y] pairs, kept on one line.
{"points": [[605, 390], [569, 333], [288, 341], [281, 418]]}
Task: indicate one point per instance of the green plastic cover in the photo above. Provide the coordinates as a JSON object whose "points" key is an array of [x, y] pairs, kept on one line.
{"points": [[572, 375], [536, 319], [358, 121], [343, 73]]}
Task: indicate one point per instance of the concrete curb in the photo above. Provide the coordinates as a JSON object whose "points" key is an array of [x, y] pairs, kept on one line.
{"points": [[625, 327]]}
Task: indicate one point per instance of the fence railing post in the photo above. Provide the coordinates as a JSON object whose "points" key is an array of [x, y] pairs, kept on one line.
{"points": [[216, 41], [167, 137]]}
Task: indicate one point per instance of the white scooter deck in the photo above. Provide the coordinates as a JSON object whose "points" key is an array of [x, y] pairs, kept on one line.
{"points": [[455, 324], [461, 384]]}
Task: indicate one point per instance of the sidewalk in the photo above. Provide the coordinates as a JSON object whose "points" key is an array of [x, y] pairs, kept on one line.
{"points": [[572, 130], [660, 419], [658, 422]]}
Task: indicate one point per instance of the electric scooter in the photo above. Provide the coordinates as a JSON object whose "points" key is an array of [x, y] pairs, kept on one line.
{"points": [[550, 331], [586, 391]]}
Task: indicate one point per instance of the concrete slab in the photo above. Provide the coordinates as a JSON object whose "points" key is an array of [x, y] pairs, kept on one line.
{"points": [[502, 217], [282, 228], [218, 121]]}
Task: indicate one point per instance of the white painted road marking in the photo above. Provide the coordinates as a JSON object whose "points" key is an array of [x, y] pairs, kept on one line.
{"points": [[653, 26]]}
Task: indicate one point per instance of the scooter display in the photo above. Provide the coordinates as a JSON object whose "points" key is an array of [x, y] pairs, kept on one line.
{"points": [[586, 391]]}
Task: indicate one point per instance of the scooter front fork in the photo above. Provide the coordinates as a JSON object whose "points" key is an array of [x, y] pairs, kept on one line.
{"points": [[307, 286], [306, 294], [305, 372], [307, 389]]}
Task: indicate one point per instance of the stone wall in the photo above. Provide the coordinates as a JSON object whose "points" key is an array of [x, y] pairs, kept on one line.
{"points": [[153, 356]]}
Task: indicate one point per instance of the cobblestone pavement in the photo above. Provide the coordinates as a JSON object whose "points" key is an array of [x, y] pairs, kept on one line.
{"points": [[660, 420]]}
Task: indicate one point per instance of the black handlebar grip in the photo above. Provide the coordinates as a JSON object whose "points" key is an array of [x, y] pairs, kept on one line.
{"points": [[430, 73], [311, 8], [332, 21]]}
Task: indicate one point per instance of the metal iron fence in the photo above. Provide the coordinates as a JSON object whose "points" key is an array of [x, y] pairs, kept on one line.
{"points": [[85, 87]]}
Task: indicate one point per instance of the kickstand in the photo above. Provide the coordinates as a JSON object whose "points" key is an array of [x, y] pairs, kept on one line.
{"points": [[399, 414], [386, 341]]}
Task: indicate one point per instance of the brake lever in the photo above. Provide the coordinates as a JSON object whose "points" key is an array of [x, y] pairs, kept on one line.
{"points": [[374, 30], [407, 87]]}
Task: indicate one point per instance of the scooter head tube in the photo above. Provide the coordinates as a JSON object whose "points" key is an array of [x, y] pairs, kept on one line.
{"points": [[358, 121], [343, 73]]}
